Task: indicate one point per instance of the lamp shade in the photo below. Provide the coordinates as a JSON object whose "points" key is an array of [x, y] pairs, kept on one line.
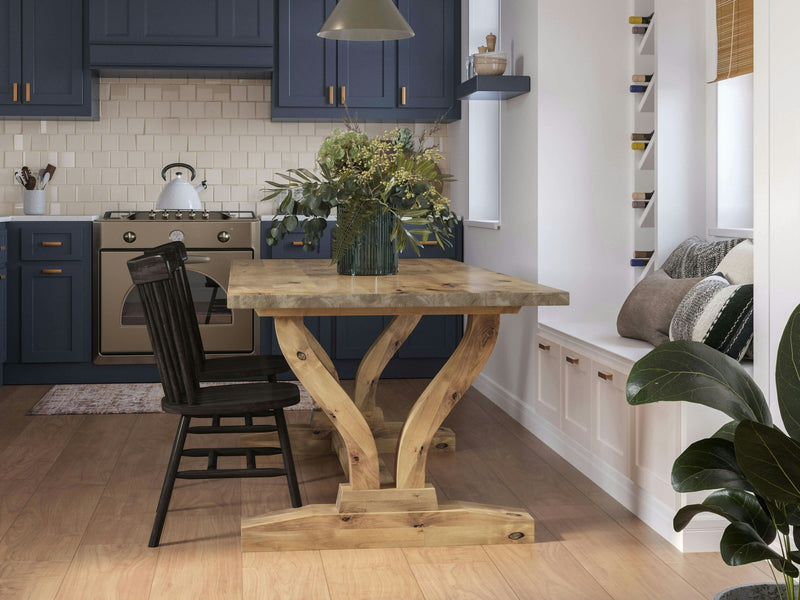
{"points": [[366, 21]]}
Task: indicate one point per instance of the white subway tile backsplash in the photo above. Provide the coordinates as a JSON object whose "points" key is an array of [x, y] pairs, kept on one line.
{"points": [[221, 127]]}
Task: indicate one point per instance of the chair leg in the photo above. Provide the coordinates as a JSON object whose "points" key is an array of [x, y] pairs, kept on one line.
{"points": [[169, 481], [288, 461]]}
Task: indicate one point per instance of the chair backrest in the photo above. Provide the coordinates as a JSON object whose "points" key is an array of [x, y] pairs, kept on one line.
{"points": [[168, 325], [175, 253]]}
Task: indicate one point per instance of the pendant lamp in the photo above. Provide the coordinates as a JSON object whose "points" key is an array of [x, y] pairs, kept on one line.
{"points": [[366, 21]]}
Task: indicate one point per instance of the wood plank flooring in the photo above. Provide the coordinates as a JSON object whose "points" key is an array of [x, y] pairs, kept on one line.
{"points": [[78, 495]]}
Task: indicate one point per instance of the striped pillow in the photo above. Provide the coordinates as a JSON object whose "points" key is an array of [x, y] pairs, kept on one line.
{"points": [[718, 314]]}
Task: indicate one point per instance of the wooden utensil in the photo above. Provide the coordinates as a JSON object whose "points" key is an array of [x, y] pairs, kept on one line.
{"points": [[28, 178]]}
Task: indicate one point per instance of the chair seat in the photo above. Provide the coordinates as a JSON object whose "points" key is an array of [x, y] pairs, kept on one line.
{"points": [[236, 400], [242, 367]]}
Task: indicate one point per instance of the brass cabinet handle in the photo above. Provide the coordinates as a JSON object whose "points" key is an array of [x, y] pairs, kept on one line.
{"points": [[2, 277], [572, 361], [545, 347], [330, 94], [344, 95], [403, 95], [430, 243], [297, 243], [15, 92], [51, 271], [2, 248], [605, 376], [51, 244], [27, 92]]}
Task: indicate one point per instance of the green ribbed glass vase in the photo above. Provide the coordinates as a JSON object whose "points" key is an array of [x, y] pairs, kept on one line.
{"points": [[374, 252]]}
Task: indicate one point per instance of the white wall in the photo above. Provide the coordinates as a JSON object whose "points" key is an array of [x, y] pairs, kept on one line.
{"points": [[777, 178], [585, 182]]}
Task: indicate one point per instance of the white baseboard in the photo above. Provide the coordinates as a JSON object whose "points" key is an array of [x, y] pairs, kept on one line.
{"points": [[700, 536]]}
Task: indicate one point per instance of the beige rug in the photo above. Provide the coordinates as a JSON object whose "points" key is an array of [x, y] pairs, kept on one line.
{"points": [[119, 398]]}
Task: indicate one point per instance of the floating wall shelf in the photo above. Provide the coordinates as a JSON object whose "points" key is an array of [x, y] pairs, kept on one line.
{"points": [[493, 87]]}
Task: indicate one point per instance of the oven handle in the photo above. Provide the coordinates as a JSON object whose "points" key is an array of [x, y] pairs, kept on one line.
{"points": [[197, 259]]}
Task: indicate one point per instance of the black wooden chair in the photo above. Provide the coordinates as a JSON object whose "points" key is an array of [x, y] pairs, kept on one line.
{"points": [[217, 369], [179, 360]]}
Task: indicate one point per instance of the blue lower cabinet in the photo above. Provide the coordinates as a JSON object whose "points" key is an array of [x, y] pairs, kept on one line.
{"points": [[354, 335], [436, 336], [55, 312]]}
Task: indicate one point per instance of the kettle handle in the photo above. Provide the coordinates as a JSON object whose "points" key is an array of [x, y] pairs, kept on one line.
{"points": [[172, 165]]}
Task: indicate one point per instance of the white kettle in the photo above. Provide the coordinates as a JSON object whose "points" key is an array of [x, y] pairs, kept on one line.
{"points": [[179, 194]]}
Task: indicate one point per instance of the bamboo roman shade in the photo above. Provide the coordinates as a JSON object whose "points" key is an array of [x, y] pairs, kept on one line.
{"points": [[734, 38]]}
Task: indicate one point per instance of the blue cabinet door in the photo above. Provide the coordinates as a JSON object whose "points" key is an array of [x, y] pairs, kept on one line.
{"points": [[52, 53], [427, 63], [366, 74], [306, 75], [56, 311], [177, 22], [10, 51]]}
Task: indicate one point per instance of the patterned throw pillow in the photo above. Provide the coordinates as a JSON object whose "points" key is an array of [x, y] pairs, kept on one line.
{"points": [[697, 258], [718, 314]]}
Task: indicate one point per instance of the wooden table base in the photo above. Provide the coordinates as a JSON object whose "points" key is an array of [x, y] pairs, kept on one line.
{"points": [[377, 508]]}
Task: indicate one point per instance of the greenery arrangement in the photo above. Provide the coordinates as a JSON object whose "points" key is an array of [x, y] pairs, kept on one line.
{"points": [[753, 466], [363, 178]]}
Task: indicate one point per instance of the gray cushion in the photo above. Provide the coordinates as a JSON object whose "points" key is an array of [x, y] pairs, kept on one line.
{"points": [[697, 258], [718, 314], [647, 312]]}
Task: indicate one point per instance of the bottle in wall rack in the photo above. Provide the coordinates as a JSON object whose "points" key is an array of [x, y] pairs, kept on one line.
{"points": [[640, 20], [639, 29], [642, 137], [640, 203], [641, 78], [641, 195], [639, 145], [638, 88], [639, 262]]}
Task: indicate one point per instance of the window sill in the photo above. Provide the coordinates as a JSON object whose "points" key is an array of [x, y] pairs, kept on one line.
{"points": [[483, 224], [730, 232]]}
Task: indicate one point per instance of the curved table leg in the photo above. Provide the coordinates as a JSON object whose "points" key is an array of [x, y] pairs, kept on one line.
{"points": [[377, 357], [441, 396], [307, 362]]}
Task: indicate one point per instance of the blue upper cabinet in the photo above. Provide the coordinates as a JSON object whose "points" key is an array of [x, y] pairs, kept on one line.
{"points": [[43, 72], [317, 79], [322, 77], [427, 69], [202, 34], [306, 76]]}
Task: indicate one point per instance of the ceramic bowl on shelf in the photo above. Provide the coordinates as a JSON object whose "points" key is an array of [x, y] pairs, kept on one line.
{"points": [[490, 63]]}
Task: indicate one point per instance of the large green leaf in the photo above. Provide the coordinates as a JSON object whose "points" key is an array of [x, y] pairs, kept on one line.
{"points": [[770, 459], [735, 506], [787, 375], [741, 545], [708, 464], [693, 372]]}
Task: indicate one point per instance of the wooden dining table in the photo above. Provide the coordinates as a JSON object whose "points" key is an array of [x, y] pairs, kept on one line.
{"points": [[375, 509]]}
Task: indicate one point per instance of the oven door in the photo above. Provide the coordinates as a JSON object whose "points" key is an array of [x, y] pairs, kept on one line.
{"points": [[121, 318]]}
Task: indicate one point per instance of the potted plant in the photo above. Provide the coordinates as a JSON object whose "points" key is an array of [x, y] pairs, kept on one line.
{"points": [[377, 186], [753, 466]]}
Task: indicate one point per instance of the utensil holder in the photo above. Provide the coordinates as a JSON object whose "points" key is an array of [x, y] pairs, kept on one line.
{"points": [[34, 201]]}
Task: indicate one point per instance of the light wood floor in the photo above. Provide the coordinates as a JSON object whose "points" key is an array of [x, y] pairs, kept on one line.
{"points": [[78, 494]]}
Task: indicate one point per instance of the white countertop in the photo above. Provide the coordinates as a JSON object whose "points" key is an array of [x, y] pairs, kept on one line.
{"points": [[49, 218]]}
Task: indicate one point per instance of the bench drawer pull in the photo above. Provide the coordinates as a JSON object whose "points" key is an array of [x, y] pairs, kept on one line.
{"points": [[605, 376], [545, 347], [572, 361]]}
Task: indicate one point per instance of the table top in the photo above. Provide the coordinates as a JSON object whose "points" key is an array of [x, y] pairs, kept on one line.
{"points": [[300, 287]]}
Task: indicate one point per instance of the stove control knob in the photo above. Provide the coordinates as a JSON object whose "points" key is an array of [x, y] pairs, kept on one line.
{"points": [[223, 236], [205, 214], [165, 215], [129, 237], [178, 214], [151, 214], [192, 214]]}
